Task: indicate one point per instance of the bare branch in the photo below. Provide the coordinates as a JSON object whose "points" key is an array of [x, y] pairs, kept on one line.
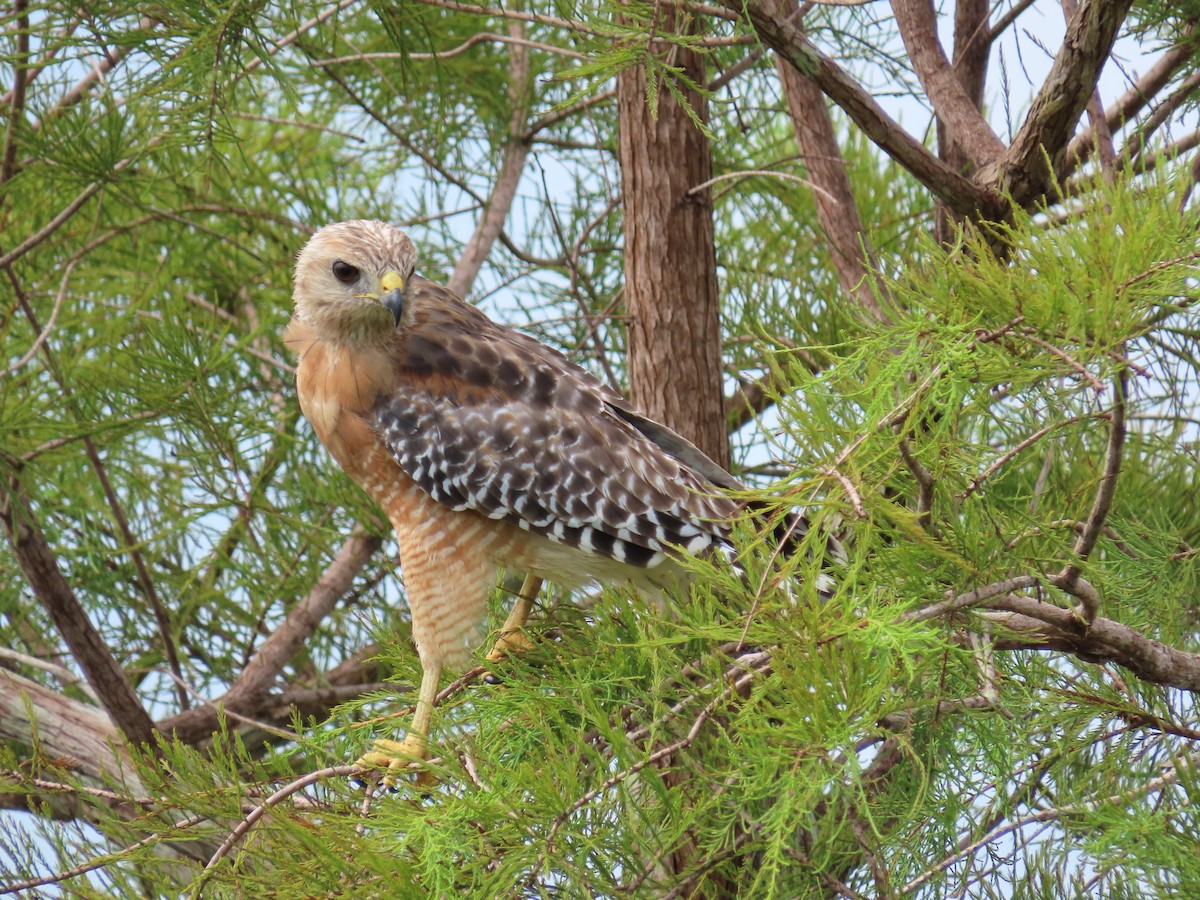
{"points": [[790, 42], [480, 37], [63, 675], [751, 173], [852, 494], [918, 29], [1185, 93], [1005, 21], [1133, 100], [40, 567], [1094, 524], [923, 478], [552, 118], [1022, 171], [516, 151], [1056, 628], [973, 597], [1029, 335], [290, 637], [970, 67], [837, 210]]}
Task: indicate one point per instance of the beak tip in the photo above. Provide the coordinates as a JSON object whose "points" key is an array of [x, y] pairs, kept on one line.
{"points": [[394, 301]]}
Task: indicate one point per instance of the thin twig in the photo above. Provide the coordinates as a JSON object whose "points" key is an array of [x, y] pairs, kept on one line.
{"points": [[751, 173], [1054, 814], [978, 480], [973, 597], [259, 811], [852, 494], [477, 38], [101, 861], [924, 479], [1096, 383], [61, 673], [61, 787], [1094, 524], [63, 215], [44, 333]]}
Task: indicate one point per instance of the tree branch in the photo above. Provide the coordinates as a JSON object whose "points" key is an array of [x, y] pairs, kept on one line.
{"points": [[786, 38], [76, 735], [917, 21], [1133, 100], [62, 216], [16, 106], [1185, 93], [143, 580], [1057, 628], [1094, 524], [516, 151], [837, 210], [54, 593], [252, 685], [1022, 172]]}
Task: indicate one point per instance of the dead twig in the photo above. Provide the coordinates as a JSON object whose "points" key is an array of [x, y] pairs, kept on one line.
{"points": [[1054, 814], [292, 787], [101, 861], [978, 480], [1096, 383], [852, 494], [1068, 578]]}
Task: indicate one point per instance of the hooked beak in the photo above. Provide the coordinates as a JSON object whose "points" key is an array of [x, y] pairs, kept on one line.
{"points": [[393, 297]]}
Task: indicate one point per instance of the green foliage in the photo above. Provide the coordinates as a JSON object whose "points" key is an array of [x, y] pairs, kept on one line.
{"points": [[147, 413]]}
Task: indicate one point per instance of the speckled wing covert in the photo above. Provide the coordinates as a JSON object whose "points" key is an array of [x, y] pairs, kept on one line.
{"points": [[487, 419]]}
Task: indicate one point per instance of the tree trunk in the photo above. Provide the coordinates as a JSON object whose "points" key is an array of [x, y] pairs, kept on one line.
{"points": [[670, 262], [671, 289]]}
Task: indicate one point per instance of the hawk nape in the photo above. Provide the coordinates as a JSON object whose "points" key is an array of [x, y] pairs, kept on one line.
{"points": [[486, 449]]}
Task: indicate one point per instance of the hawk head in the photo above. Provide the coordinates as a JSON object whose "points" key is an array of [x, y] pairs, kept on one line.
{"points": [[351, 279]]}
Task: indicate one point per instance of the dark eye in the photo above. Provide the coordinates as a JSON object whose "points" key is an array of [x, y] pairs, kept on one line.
{"points": [[344, 272]]}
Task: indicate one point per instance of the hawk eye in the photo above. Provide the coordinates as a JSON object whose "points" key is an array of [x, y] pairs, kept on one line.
{"points": [[344, 272]]}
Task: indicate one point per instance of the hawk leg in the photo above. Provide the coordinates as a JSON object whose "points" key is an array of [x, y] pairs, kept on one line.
{"points": [[512, 638], [397, 757]]}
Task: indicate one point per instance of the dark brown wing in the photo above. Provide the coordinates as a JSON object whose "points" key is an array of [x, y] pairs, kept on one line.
{"points": [[488, 419]]}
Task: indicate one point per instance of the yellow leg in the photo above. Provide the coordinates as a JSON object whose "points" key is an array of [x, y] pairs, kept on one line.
{"points": [[512, 639], [398, 756]]}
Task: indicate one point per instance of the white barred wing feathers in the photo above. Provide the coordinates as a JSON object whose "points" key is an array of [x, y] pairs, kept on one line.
{"points": [[532, 439]]}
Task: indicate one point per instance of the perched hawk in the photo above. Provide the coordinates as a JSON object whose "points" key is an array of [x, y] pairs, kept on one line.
{"points": [[486, 449]]}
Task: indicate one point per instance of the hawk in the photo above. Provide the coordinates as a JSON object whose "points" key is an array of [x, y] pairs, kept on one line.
{"points": [[486, 449]]}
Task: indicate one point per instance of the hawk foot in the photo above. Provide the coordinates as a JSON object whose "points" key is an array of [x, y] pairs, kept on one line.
{"points": [[397, 759], [509, 643]]}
